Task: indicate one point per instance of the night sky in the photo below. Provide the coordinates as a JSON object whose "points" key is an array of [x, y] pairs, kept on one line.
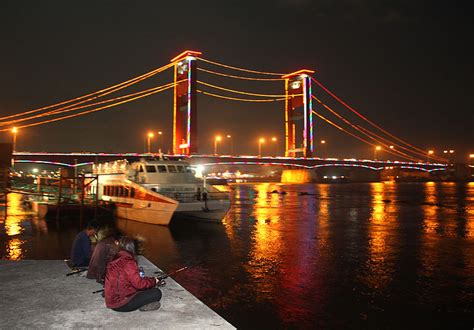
{"points": [[406, 65]]}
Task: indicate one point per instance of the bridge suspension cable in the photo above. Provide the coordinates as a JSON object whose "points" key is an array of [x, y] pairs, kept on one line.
{"points": [[240, 69], [97, 94], [380, 140], [154, 91], [239, 92], [239, 77], [358, 137], [240, 99], [366, 119], [69, 109]]}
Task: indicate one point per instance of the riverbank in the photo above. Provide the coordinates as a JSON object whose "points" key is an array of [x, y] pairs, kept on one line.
{"points": [[38, 294]]}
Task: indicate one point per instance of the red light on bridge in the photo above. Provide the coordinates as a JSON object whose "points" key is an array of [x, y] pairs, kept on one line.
{"points": [[185, 54], [304, 71]]}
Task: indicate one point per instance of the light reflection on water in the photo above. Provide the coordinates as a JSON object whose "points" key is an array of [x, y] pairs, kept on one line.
{"points": [[310, 256]]}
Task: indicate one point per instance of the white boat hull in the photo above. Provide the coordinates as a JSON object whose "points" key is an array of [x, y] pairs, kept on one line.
{"points": [[215, 211], [156, 216]]}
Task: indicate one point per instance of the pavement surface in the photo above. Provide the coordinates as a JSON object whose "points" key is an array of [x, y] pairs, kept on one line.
{"points": [[38, 294]]}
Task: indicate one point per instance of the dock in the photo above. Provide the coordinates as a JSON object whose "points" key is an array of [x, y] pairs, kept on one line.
{"points": [[38, 294]]}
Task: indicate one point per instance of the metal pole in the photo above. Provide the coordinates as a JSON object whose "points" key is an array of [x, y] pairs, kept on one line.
{"points": [[82, 200], [59, 196]]}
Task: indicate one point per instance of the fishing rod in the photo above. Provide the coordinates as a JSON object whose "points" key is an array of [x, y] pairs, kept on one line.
{"points": [[77, 271], [164, 275]]}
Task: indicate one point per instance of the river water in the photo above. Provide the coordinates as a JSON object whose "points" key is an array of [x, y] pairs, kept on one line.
{"points": [[331, 256]]}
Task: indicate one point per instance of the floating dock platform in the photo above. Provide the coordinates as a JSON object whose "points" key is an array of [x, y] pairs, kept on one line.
{"points": [[38, 294]]}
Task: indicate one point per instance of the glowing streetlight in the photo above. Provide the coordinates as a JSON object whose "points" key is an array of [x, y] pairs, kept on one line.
{"points": [[231, 144], [430, 152], [274, 139], [150, 135], [160, 133], [377, 148], [260, 141], [471, 158], [14, 131], [323, 147], [216, 139]]}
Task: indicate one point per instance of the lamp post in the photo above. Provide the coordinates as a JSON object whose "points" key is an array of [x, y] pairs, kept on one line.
{"points": [[323, 147], [471, 159], [160, 133], [449, 153], [274, 139], [216, 139], [260, 141], [428, 155], [377, 148], [14, 132], [150, 135], [231, 144]]}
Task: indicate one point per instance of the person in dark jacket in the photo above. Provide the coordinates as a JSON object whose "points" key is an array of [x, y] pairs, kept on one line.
{"points": [[104, 251], [81, 247], [124, 289]]}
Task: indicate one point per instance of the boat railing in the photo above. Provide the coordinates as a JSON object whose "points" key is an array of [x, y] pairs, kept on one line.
{"points": [[189, 197]]}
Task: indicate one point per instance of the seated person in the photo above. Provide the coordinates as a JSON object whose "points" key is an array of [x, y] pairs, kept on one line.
{"points": [[124, 289], [81, 247], [104, 251]]}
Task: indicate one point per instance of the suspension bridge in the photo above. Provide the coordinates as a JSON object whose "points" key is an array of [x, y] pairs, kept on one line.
{"points": [[302, 100]]}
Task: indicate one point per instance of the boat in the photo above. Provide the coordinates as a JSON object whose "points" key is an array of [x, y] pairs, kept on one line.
{"points": [[157, 190]]}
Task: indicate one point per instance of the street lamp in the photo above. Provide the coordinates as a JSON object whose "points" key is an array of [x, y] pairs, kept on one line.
{"points": [[274, 139], [377, 148], [150, 135], [260, 141], [160, 133], [231, 144], [216, 139], [471, 158], [323, 147], [14, 131], [430, 152]]}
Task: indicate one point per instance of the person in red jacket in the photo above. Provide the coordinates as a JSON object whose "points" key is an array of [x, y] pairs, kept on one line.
{"points": [[124, 289]]}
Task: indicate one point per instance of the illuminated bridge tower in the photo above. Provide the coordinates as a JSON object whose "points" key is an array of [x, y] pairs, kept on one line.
{"points": [[298, 114], [184, 105]]}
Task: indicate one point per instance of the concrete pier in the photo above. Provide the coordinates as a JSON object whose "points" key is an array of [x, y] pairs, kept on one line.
{"points": [[38, 294]]}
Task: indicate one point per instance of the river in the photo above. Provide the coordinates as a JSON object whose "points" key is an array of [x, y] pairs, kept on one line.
{"points": [[374, 255]]}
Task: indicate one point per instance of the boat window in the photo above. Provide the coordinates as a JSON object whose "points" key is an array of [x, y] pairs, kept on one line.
{"points": [[140, 168], [132, 192], [172, 169], [180, 168], [120, 191], [125, 191], [105, 190], [188, 169], [162, 168], [150, 168]]}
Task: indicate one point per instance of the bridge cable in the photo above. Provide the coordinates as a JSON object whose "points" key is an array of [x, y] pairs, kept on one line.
{"points": [[240, 92], [92, 110], [358, 128], [355, 136], [361, 116], [239, 77], [240, 99], [241, 69], [69, 109], [104, 91]]}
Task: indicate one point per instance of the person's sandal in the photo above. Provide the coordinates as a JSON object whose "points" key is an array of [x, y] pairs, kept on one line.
{"points": [[150, 307]]}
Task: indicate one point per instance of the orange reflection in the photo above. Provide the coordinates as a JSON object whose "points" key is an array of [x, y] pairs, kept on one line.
{"points": [[382, 234], [470, 211], [431, 224], [14, 251]]}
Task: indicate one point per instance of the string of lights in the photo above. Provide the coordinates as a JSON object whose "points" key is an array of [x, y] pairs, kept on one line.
{"points": [[51, 113], [357, 128], [101, 92], [355, 136], [238, 77], [240, 99], [363, 117], [239, 92], [92, 110], [241, 69]]}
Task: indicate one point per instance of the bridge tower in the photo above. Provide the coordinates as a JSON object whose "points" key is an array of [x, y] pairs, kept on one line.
{"points": [[298, 115], [184, 105]]}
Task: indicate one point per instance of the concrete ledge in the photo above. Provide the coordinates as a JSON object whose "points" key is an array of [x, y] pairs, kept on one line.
{"points": [[37, 294]]}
